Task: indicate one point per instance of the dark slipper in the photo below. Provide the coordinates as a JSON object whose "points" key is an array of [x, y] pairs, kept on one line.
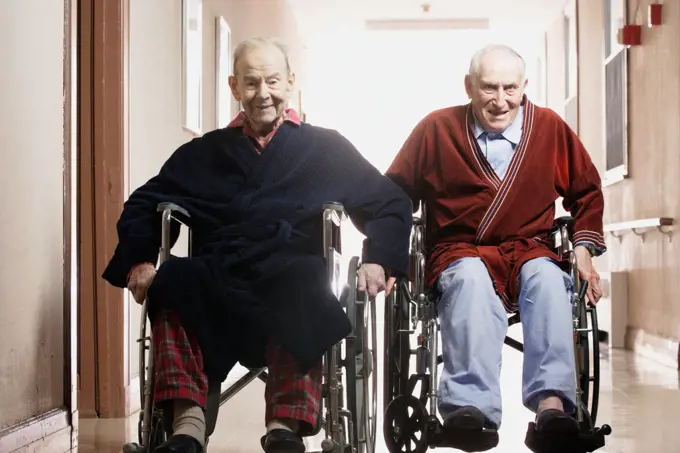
{"points": [[282, 441], [179, 443], [466, 418], [467, 429], [556, 421]]}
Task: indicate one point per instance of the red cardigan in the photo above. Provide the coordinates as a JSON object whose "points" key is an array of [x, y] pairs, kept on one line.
{"points": [[472, 213]]}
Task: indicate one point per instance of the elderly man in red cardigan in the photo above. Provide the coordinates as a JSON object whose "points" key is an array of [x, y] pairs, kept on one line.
{"points": [[490, 173]]}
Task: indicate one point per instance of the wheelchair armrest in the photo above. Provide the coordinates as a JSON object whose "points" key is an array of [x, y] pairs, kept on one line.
{"points": [[337, 207], [566, 221], [561, 234], [169, 231], [178, 213], [333, 215]]}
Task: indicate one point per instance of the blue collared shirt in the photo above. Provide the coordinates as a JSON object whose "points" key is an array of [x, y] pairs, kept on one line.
{"points": [[498, 148]]}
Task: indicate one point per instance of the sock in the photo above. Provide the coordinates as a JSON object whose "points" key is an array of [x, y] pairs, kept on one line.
{"points": [[286, 424], [549, 401], [189, 419]]}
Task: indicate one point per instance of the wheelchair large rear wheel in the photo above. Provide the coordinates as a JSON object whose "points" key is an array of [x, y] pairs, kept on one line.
{"points": [[397, 345], [157, 432], [361, 365], [588, 350]]}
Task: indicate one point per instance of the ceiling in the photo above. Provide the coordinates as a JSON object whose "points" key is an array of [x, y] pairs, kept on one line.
{"points": [[318, 16]]}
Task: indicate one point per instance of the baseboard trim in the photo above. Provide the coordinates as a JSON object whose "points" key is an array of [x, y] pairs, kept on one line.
{"points": [[35, 429], [663, 350]]}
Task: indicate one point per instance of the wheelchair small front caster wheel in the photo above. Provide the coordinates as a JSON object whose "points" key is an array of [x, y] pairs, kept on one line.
{"points": [[405, 425], [327, 445]]}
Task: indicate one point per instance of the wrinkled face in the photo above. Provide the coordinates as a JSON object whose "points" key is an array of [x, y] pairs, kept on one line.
{"points": [[496, 91], [263, 84]]}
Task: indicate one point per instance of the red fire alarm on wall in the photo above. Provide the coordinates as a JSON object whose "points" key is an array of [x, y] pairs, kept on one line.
{"points": [[630, 35], [654, 14]]}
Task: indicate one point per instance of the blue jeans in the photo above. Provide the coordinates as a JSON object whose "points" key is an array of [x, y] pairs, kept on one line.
{"points": [[474, 324]]}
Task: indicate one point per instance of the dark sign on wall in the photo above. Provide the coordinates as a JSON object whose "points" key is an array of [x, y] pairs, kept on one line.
{"points": [[616, 113]]}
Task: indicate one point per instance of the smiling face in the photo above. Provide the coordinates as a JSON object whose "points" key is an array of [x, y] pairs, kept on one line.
{"points": [[262, 82], [496, 88]]}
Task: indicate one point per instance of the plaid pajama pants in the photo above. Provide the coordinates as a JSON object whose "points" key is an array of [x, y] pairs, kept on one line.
{"points": [[289, 394]]}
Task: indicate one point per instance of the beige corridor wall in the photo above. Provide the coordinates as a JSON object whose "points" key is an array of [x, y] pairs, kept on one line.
{"points": [[555, 66], [31, 209], [653, 186], [155, 81]]}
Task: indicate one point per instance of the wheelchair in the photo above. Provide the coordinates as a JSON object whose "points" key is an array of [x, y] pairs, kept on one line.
{"points": [[410, 419], [349, 404]]}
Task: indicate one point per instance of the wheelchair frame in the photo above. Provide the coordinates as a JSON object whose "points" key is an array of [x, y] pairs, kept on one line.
{"points": [[412, 303], [350, 426]]}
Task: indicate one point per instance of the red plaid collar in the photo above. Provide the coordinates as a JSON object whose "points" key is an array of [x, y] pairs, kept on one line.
{"points": [[289, 115], [241, 120]]}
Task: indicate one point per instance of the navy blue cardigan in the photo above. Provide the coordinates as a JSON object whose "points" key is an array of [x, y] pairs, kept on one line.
{"points": [[257, 268]]}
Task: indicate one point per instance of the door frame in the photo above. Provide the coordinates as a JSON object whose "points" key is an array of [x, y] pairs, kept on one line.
{"points": [[104, 378], [71, 260]]}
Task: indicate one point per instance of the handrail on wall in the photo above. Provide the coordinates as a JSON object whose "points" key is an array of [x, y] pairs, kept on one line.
{"points": [[639, 227]]}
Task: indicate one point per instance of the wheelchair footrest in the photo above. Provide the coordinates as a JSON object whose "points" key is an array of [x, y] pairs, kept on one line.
{"points": [[465, 440], [539, 442]]}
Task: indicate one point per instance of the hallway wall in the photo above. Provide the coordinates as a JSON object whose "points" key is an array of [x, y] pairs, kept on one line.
{"points": [[155, 82], [31, 210], [652, 188], [555, 67]]}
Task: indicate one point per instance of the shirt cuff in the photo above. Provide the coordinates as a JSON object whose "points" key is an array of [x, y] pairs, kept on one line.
{"points": [[593, 248]]}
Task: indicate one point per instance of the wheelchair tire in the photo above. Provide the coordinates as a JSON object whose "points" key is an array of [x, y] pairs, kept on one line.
{"points": [[583, 350], [589, 356], [594, 378], [361, 365], [397, 344]]}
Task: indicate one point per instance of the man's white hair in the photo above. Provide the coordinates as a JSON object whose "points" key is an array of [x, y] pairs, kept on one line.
{"points": [[256, 43], [476, 60]]}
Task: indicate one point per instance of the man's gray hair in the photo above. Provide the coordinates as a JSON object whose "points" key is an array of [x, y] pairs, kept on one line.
{"points": [[476, 60], [256, 43]]}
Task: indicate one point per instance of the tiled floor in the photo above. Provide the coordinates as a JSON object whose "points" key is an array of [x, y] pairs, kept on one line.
{"points": [[639, 399]]}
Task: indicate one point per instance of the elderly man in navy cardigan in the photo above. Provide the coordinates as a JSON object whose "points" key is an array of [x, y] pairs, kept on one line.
{"points": [[255, 290]]}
